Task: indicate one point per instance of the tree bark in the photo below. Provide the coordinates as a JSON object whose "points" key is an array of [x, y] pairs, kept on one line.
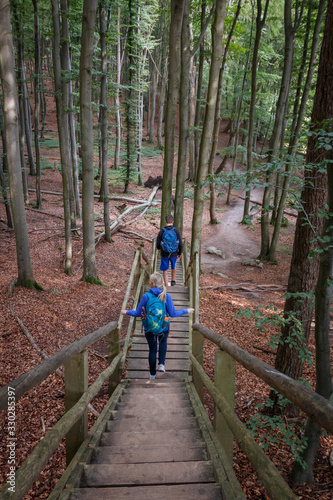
{"points": [[62, 121], [117, 97], [183, 116], [86, 59], [322, 110], [37, 105], [217, 36], [10, 105], [104, 122], [290, 30], [260, 22], [296, 129], [304, 271], [177, 9]]}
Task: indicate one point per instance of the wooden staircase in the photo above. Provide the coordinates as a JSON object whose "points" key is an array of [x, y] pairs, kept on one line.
{"points": [[155, 440]]}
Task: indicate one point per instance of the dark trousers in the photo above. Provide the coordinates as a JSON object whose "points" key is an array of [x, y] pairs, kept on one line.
{"points": [[153, 340]]}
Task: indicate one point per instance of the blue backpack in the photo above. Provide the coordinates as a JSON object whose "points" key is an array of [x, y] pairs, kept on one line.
{"points": [[154, 317], [169, 242]]}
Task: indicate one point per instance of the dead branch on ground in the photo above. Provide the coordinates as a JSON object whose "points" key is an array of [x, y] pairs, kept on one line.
{"points": [[40, 351]]}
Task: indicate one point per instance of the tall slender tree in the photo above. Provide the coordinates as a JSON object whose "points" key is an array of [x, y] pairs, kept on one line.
{"points": [[62, 120], [177, 9], [10, 105], [86, 60], [184, 94], [216, 59]]}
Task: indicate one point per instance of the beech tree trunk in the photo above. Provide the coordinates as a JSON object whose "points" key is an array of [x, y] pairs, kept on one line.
{"points": [[322, 110], [37, 105], [290, 30], [10, 106], [260, 22], [117, 98], [183, 116], [177, 9], [62, 121], [104, 123], [304, 271], [296, 128], [216, 59], [86, 119]]}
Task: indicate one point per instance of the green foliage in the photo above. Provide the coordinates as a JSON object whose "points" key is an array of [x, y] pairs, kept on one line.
{"points": [[49, 143], [263, 318], [189, 195], [150, 151], [276, 429]]}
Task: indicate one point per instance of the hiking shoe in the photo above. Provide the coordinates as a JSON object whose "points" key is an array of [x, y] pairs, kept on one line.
{"points": [[161, 368], [152, 377], [173, 283]]}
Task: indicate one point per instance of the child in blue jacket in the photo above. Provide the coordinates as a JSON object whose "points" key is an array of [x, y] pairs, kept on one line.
{"points": [[157, 285]]}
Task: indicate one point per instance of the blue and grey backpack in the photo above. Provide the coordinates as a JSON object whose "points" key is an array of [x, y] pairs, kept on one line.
{"points": [[169, 242], [154, 318]]}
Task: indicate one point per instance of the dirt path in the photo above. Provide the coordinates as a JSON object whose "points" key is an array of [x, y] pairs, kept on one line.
{"points": [[232, 238]]}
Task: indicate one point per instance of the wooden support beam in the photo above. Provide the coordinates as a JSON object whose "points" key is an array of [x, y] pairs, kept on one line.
{"points": [[76, 383], [113, 351], [224, 380]]}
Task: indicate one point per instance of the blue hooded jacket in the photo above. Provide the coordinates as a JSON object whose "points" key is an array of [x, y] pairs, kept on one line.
{"points": [[170, 308]]}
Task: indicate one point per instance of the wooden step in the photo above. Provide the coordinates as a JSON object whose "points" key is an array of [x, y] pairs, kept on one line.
{"points": [[170, 364], [172, 347], [171, 354], [147, 454], [203, 491], [164, 422], [144, 374], [101, 475]]}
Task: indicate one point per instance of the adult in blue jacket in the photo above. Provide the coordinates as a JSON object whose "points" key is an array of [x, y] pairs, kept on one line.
{"points": [[157, 285], [167, 258]]}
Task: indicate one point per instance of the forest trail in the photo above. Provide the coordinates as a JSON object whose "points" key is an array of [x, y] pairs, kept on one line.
{"points": [[232, 238]]}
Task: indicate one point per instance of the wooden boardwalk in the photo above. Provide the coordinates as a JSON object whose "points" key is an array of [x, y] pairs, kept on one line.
{"points": [[155, 440]]}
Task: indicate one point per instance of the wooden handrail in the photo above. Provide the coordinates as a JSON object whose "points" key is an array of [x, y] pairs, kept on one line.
{"points": [[131, 321], [30, 379], [38, 458], [311, 403], [275, 485], [129, 286]]}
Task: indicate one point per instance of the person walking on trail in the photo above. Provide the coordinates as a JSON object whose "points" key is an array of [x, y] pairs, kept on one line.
{"points": [[155, 308], [170, 243]]}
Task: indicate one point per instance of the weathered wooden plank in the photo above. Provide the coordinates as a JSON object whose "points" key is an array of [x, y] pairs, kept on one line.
{"points": [[181, 437], [170, 364], [155, 400], [172, 340], [150, 473], [203, 491], [164, 422], [171, 354], [172, 347], [144, 374], [147, 454]]}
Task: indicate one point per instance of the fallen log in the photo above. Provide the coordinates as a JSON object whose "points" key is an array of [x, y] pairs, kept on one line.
{"points": [[115, 198], [145, 205]]}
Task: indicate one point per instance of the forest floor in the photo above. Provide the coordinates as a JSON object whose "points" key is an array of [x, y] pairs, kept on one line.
{"points": [[68, 309]]}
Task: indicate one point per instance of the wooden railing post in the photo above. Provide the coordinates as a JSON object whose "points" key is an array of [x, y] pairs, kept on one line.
{"points": [[113, 351], [137, 271], [197, 338], [76, 383], [224, 380]]}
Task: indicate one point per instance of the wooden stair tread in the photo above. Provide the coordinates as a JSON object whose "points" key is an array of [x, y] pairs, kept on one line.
{"points": [[148, 473], [181, 437], [148, 453], [200, 491]]}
